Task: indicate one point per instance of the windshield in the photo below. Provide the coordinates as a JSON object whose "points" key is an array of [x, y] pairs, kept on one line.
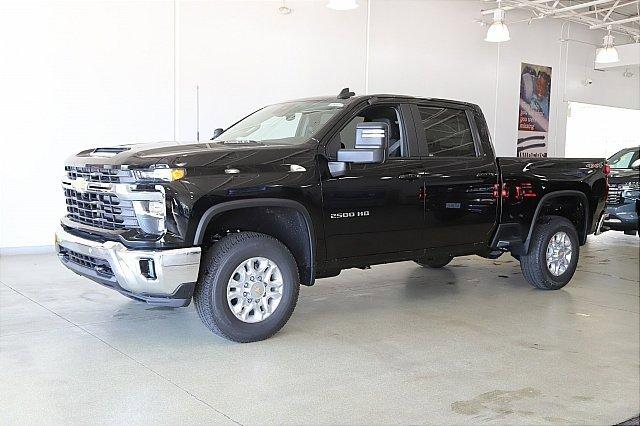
{"points": [[289, 123], [623, 159]]}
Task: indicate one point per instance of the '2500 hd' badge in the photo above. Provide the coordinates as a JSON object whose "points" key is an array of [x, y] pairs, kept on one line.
{"points": [[347, 215]]}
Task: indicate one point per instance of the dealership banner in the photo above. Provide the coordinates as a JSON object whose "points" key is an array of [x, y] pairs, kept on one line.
{"points": [[533, 115]]}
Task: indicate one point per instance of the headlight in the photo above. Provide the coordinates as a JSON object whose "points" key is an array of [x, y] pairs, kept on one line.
{"points": [[164, 173]]}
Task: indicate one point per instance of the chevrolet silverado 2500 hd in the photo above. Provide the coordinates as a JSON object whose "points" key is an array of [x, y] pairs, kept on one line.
{"points": [[301, 190]]}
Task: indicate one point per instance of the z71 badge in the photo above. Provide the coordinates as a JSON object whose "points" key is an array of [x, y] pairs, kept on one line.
{"points": [[346, 215]]}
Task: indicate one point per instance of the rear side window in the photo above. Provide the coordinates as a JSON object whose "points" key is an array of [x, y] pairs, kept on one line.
{"points": [[447, 132]]}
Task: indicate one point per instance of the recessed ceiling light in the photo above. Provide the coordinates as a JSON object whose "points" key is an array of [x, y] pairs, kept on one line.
{"points": [[342, 4]]}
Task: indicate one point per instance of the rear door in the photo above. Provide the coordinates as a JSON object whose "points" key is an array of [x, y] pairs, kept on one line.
{"points": [[459, 177]]}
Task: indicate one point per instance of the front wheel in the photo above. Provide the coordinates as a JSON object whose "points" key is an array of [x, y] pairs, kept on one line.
{"points": [[553, 254], [248, 287]]}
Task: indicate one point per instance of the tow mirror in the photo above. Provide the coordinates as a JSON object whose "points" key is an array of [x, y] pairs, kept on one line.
{"points": [[372, 140], [217, 132]]}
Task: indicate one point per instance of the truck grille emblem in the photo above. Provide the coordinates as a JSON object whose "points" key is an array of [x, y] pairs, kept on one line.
{"points": [[80, 184]]}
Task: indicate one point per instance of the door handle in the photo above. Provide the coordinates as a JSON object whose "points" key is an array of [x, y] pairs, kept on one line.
{"points": [[483, 175], [409, 176]]}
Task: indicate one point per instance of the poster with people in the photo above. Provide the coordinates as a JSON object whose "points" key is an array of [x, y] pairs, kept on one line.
{"points": [[533, 117]]}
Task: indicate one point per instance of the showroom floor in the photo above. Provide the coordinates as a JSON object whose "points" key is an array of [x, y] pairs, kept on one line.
{"points": [[396, 344]]}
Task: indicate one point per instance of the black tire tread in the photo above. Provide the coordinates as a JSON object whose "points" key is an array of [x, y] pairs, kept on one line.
{"points": [[533, 269], [216, 256]]}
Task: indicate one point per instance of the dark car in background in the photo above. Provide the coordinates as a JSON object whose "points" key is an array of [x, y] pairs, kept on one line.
{"points": [[623, 201]]}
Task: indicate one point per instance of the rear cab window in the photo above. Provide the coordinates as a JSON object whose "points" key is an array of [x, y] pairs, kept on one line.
{"points": [[445, 132]]}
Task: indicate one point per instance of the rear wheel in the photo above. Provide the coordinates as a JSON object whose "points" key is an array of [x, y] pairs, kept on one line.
{"points": [[435, 262], [553, 254], [248, 287]]}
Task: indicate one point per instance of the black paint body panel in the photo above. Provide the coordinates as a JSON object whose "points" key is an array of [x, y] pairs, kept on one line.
{"points": [[415, 206]]}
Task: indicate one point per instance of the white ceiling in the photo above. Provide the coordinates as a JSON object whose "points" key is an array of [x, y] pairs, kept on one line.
{"points": [[622, 15]]}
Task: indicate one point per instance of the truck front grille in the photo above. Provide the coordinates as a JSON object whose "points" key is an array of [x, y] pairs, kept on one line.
{"points": [[101, 175], [100, 266], [615, 195], [101, 210]]}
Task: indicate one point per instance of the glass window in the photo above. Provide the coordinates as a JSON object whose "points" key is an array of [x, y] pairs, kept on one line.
{"points": [[346, 138], [623, 159], [289, 123], [447, 132]]}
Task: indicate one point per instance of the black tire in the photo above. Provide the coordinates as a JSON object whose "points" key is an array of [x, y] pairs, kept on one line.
{"points": [[220, 262], [534, 264], [435, 262]]}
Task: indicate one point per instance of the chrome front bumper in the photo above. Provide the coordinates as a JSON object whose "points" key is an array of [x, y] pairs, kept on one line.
{"points": [[161, 277]]}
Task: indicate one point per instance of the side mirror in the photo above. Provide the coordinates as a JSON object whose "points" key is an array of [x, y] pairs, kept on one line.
{"points": [[372, 140], [217, 132], [636, 164]]}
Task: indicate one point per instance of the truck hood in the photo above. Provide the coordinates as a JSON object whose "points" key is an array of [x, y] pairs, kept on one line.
{"points": [[185, 154]]}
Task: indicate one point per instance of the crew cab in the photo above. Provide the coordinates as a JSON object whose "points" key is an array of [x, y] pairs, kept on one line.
{"points": [[300, 190]]}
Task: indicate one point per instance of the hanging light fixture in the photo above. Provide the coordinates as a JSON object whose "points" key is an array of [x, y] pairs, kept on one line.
{"points": [[342, 4], [498, 30], [284, 9], [607, 54]]}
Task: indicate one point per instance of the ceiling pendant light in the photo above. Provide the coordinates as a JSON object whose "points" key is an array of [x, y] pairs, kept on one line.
{"points": [[607, 54], [498, 30], [284, 9], [342, 4]]}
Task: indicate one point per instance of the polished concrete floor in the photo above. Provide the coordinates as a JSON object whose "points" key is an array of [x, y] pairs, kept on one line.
{"points": [[471, 343]]}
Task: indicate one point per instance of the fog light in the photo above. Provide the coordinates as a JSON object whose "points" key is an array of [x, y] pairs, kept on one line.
{"points": [[148, 269]]}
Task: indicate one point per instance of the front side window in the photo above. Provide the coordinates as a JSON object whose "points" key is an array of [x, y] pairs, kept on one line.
{"points": [[289, 123], [447, 132], [390, 115]]}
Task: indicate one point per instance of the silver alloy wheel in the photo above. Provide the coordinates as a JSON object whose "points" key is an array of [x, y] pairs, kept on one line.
{"points": [[559, 252], [255, 289]]}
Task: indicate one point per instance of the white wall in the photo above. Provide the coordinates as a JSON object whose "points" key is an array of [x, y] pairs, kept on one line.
{"points": [[74, 75], [81, 74]]}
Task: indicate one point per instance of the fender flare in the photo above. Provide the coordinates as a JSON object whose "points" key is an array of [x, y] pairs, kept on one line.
{"points": [[226, 206], [557, 194]]}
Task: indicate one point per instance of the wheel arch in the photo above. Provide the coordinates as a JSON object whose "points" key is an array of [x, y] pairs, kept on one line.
{"points": [[303, 249], [547, 200]]}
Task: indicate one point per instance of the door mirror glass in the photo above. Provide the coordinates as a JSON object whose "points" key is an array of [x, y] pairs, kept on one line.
{"points": [[217, 132], [372, 140]]}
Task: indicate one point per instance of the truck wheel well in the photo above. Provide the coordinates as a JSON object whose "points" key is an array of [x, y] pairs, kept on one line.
{"points": [[569, 207], [286, 224], [572, 205]]}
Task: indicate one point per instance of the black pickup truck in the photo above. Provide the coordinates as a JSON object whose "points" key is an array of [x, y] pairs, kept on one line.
{"points": [[304, 189]]}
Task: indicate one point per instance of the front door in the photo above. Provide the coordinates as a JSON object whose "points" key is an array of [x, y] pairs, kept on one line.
{"points": [[375, 208]]}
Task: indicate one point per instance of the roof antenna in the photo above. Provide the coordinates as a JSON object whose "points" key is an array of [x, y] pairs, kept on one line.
{"points": [[197, 113], [345, 93]]}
